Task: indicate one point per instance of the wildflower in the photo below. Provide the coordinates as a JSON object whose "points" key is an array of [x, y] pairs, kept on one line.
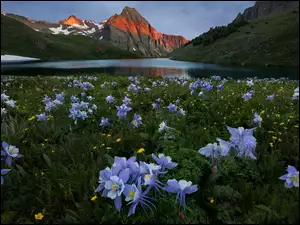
{"points": [[291, 178], [11, 103], [163, 126], [257, 119], [10, 152], [3, 111], [83, 94], [210, 150], [247, 96], [164, 161], [155, 105], [104, 122], [172, 107], [3, 172], [57, 102], [114, 84], [147, 89], [158, 100], [177, 101], [74, 99], [118, 140], [94, 198], [212, 201], [31, 118], [200, 94], [224, 146], [243, 140], [4, 97], [140, 150], [126, 100], [181, 188], [220, 87], [110, 99], [181, 112], [89, 98], [41, 117], [39, 216], [270, 97], [122, 110], [250, 83], [137, 120], [60, 97]]}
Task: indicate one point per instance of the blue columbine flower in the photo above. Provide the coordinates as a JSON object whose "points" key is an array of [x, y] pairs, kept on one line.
{"points": [[10, 152], [41, 117], [74, 99], [210, 151], [220, 87], [104, 122], [181, 188], [270, 97], [243, 140], [247, 96], [110, 99], [46, 100], [4, 97], [181, 112], [60, 97], [3, 172], [158, 100], [224, 147], [89, 98], [137, 120], [155, 105], [291, 178], [257, 119], [172, 107], [163, 126], [250, 83], [164, 161], [126, 100], [122, 111]]}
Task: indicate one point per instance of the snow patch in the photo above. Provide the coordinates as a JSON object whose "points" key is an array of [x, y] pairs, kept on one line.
{"points": [[59, 30], [93, 30], [80, 26], [36, 29], [10, 58]]}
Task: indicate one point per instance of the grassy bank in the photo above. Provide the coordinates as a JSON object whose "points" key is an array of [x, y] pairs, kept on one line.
{"points": [[19, 39], [272, 41], [62, 157]]}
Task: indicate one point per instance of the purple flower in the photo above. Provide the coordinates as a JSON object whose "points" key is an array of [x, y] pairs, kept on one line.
{"points": [[41, 117], [147, 89], [181, 188], [164, 161], [11, 103], [220, 87], [4, 97], [74, 99], [177, 101], [243, 140], [137, 197], [200, 94], [163, 126], [257, 119], [224, 147], [3, 172], [89, 98], [158, 100], [155, 105], [46, 100], [247, 96], [181, 112], [270, 97], [172, 107], [113, 84], [110, 99], [216, 77], [83, 94], [60, 97], [291, 178], [10, 152], [126, 100], [104, 122], [250, 83], [122, 111], [137, 120], [210, 151], [239, 81], [207, 86]]}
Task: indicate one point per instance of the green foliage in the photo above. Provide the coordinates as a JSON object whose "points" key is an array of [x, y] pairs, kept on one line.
{"points": [[19, 39], [60, 168]]}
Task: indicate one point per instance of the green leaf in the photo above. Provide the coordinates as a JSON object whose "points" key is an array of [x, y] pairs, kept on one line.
{"points": [[22, 171], [48, 161], [108, 159]]}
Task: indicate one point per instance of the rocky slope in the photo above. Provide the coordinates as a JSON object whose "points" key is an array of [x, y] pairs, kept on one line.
{"points": [[265, 8], [129, 30]]}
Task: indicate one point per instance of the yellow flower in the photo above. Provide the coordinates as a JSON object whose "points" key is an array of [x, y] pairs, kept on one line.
{"points": [[39, 216], [118, 140], [31, 118], [212, 201], [108, 135], [94, 198], [141, 150]]}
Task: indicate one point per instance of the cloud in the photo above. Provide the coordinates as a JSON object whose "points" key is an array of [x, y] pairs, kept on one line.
{"points": [[186, 18]]}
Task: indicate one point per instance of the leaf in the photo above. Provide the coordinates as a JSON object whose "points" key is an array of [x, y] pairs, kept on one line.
{"points": [[265, 208], [108, 159], [22, 171], [47, 160]]}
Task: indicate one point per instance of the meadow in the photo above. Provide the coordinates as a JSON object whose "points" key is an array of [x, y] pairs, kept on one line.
{"points": [[62, 131]]}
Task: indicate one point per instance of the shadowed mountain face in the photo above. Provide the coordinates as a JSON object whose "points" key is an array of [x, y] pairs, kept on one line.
{"points": [[129, 30], [265, 8]]}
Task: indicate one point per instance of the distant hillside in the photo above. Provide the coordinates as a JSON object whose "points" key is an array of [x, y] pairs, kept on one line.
{"points": [[271, 40], [19, 39]]}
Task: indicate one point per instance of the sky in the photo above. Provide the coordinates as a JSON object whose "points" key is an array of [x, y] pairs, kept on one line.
{"points": [[186, 18]]}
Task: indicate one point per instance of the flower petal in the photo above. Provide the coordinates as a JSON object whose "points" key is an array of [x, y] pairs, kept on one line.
{"points": [[124, 175], [118, 203], [291, 169], [283, 177]]}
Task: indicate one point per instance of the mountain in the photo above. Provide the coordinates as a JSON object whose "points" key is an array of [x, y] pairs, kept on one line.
{"points": [[19, 39], [265, 8], [271, 40], [129, 31]]}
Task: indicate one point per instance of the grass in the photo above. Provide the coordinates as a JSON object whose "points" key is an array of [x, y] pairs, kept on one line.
{"points": [[19, 39], [272, 41], [59, 171]]}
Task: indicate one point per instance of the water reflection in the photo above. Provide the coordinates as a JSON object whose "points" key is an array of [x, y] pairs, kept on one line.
{"points": [[144, 67]]}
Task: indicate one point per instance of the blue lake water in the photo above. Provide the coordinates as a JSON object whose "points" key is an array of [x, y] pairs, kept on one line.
{"points": [[145, 67]]}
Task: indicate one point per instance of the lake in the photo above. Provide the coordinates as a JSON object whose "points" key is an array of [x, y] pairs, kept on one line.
{"points": [[144, 67]]}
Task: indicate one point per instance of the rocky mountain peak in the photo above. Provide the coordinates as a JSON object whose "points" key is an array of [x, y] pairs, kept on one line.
{"points": [[132, 14], [72, 20]]}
